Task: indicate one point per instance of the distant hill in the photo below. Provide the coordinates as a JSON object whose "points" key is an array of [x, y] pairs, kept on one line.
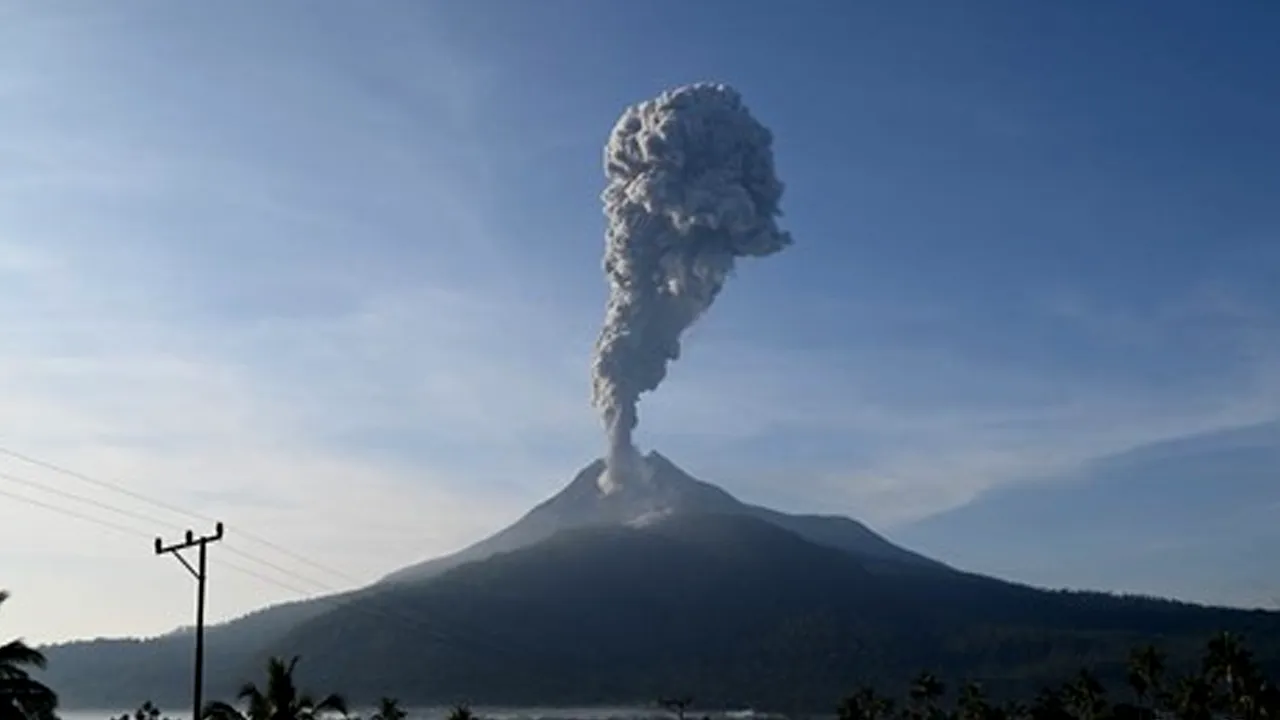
{"points": [[121, 673]]}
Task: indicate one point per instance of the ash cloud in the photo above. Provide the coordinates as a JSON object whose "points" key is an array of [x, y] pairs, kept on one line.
{"points": [[691, 188]]}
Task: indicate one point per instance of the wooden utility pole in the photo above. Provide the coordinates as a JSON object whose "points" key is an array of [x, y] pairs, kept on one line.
{"points": [[199, 573]]}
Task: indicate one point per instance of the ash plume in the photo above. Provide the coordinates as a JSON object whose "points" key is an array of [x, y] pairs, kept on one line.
{"points": [[691, 188]]}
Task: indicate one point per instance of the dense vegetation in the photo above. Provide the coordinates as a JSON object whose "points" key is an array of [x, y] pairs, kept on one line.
{"points": [[1227, 684]]}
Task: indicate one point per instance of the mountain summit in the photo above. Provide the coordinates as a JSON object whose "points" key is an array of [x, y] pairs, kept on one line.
{"points": [[663, 490]]}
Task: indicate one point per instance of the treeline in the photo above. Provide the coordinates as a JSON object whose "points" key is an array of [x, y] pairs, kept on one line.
{"points": [[1229, 684]]}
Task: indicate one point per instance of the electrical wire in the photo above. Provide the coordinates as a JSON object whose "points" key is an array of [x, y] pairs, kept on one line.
{"points": [[432, 631], [119, 488]]}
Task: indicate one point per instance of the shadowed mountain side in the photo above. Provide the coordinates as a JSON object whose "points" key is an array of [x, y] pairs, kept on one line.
{"points": [[731, 609], [115, 673], [669, 490], [1203, 506]]}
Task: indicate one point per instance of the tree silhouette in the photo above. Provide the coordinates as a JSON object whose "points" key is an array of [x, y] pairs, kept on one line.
{"points": [[972, 704], [677, 705], [389, 709], [1191, 698], [1229, 667], [279, 700], [865, 704], [1085, 698], [146, 711], [461, 711], [1229, 686], [21, 697], [1146, 677], [926, 691]]}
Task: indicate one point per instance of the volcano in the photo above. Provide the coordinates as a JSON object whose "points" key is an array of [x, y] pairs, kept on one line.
{"points": [[665, 585], [664, 490]]}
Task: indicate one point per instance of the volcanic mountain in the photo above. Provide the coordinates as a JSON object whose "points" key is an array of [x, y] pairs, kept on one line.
{"points": [[666, 490], [666, 586]]}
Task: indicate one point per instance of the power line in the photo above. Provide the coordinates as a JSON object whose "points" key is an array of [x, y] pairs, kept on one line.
{"points": [[119, 488], [88, 501], [74, 514], [280, 569], [259, 576], [150, 520], [138, 533], [116, 487], [370, 611]]}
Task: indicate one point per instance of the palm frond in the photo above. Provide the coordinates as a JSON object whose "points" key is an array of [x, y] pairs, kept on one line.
{"points": [[249, 692], [16, 654], [221, 711], [333, 703], [281, 690]]}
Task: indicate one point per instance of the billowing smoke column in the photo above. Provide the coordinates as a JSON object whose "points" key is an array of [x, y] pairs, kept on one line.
{"points": [[691, 188]]}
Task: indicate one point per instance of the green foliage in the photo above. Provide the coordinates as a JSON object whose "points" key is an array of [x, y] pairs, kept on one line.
{"points": [[21, 696], [1229, 685], [279, 700]]}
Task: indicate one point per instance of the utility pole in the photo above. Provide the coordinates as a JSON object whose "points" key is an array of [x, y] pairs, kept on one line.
{"points": [[199, 574]]}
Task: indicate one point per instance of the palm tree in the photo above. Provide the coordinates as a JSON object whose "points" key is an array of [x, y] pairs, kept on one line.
{"points": [[461, 711], [145, 711], [865, 704], [1085, 697], [1049, 705], [1146, 677], [677, 705], [21, 697], [1229, 663], [925, 692], [389, 709], [280, 700], [1192, 698], [973, 704], [1015, 710]]}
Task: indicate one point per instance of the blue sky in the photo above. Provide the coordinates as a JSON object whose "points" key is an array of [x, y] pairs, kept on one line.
{"points": [[331, 272]]}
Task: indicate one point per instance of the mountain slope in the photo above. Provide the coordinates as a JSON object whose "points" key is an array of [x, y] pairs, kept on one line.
{"points": [[729, 608], [667, 490], [1192, 517], [121, 673]]}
